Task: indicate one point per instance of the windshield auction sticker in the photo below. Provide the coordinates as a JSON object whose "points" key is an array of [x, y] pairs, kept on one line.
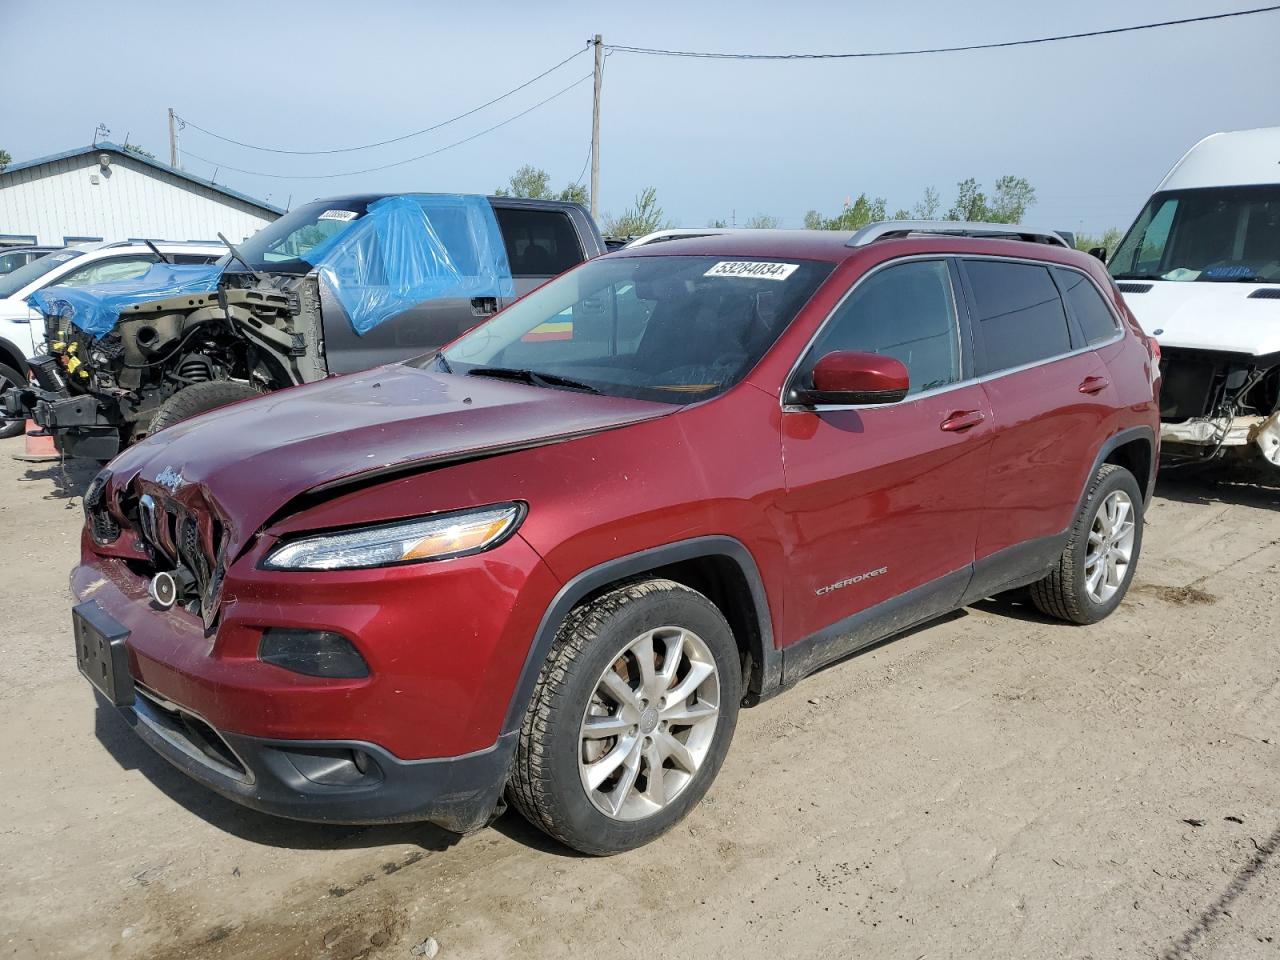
{"points": [[338, 215], [752, 270]]}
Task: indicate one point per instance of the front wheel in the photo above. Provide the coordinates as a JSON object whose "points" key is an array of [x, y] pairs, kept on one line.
{"points": [[1096, 568], [11, 379], [197, 399], [631, 718]]}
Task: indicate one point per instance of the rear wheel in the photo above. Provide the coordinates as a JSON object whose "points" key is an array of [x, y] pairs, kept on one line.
{"points": [[199, 398], [10, 379], [631, 718], [1096, 568]]}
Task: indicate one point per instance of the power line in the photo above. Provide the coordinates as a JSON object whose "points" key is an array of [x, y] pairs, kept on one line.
{"points": [[706, 55], [382, 143], [398, 163]]}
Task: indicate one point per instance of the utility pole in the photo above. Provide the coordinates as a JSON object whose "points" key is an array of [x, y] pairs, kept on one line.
{"points": [[595, 129], [173, 139]]}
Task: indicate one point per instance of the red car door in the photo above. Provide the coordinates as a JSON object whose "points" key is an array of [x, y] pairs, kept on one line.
{"points": [[882, 502], [1049, 393]]}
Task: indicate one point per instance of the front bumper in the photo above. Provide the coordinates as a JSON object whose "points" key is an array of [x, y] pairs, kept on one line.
{"points": [[324, 781]]}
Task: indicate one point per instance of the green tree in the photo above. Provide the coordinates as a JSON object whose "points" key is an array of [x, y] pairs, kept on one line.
{"points": [[1109, 239], [717, 224], [857, 214], [534, 183], [644, 216], [763, 221], [927, 208], [1012, 198], [971, 202], [139, 151], [5, 160]]}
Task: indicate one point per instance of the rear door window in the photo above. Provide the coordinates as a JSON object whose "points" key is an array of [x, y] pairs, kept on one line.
{"points": [[1096, 320], [1018, 313], [540, 243]]}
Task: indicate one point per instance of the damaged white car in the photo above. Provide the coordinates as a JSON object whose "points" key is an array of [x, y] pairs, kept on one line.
{"points": [[1200, 268]]}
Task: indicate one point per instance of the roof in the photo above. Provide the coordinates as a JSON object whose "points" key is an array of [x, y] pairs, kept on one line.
{"points": [[833, 246], [104, 146], [1231, 159]]}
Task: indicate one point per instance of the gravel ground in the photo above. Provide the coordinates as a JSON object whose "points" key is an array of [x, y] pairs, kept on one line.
{"points": [[993, 785]]}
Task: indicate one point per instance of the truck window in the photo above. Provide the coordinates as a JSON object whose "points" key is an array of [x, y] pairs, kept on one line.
{"points": [[540, 243]]}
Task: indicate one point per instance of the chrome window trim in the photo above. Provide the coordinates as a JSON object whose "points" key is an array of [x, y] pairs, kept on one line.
{"points": [[985, 378]]}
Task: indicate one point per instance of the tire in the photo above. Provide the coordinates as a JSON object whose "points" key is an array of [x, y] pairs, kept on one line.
{"points": [[9, 379], [555, 754], [1069, 592], [199, 398]]}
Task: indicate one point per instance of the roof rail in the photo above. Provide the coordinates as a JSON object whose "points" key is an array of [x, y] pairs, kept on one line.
{"points": [[894, 229]]}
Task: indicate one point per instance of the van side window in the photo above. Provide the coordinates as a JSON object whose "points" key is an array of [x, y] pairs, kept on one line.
{"points": [[1019, 313], [540, 243], [1092, 313], [907, 312]]}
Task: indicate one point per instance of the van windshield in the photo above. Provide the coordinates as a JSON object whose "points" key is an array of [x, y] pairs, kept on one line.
{"points": [[668, 328], [1212, 234]]}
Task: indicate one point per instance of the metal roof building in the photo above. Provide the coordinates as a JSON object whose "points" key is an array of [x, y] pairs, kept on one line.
{"points": [[103, 192]]}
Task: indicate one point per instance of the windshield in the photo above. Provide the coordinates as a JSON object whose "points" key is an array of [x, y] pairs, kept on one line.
{"points": [[282, 246], [11, 283], [1217, 234], [675, 328]]}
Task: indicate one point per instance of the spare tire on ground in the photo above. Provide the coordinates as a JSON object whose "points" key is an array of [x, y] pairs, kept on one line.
{"points": [[200, 398]]}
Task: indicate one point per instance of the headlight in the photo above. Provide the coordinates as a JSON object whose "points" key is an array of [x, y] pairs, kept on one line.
{"points": [[407, 541]]}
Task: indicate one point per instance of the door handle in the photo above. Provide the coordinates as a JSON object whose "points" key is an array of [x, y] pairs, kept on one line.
{"points": [[963, 420], [1094, 384]]}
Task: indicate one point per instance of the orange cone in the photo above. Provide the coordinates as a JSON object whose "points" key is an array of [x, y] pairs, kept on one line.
{"points": [[40, 447]]}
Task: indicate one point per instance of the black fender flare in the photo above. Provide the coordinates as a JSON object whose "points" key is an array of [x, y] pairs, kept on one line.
{"points": [[631, 565], [1147, 484], [11, 356]]}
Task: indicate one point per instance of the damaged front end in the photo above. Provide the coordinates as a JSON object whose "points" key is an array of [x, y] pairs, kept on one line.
{"points": [[99, 393], [1215, 404]]}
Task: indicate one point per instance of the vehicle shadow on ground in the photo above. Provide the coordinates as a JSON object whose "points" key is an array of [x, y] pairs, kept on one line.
{"points": [[64, 479], [1208, 485], [114, 733]]}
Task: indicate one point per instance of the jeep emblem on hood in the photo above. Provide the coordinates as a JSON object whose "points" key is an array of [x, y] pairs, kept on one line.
{"points": [[170, 479]]}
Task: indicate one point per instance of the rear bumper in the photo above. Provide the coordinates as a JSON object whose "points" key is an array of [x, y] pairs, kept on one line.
{"points": [[324, 781]]}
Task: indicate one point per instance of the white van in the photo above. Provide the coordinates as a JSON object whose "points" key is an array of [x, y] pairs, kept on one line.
{"points": [[1200, 268]]}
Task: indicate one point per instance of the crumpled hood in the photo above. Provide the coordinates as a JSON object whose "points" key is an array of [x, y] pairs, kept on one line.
{"points": [[1208, 316], [252, 458]]}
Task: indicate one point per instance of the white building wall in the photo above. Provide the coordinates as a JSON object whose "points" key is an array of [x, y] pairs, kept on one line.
{"points": [[128, 200]]}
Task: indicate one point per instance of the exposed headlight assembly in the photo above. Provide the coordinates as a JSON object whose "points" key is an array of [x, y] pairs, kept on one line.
{"points": [[436, 537]]}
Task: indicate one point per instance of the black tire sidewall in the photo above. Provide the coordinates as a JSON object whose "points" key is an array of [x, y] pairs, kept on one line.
{"points": [[197, 399], [587, 828], [1118, 479], [14, 379]]}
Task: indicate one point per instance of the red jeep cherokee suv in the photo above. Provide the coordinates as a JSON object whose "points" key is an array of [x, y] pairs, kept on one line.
{"points": [[552, 560]]}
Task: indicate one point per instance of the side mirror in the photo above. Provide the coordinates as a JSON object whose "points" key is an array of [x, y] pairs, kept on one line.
{"points": [[1099, 252], [850, 376]]}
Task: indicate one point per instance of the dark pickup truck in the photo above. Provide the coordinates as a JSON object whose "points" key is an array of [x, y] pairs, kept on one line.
{"points": [[335, 286]]}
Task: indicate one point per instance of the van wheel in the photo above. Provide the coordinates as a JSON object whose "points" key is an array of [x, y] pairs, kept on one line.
{"points": [[1096, 568], [11, 379], [199, 398], [631, 718]]}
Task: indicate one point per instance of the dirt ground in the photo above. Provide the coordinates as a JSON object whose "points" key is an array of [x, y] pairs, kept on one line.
{"points": [[993, 785]]}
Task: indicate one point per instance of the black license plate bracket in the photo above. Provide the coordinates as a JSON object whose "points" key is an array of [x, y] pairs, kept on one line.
{"points": [[101, 654]]}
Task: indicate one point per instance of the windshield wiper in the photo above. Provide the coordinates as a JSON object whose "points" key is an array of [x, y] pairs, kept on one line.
{"points": [[532, 377], [260, 277]]}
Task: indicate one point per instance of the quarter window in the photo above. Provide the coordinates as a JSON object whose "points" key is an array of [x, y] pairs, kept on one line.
{"points": [[1019, 313], [1092, 313], [540, 243], [907, 312]]}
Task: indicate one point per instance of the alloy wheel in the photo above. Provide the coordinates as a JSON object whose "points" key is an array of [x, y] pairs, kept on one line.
{"points": [[649, 723], [1110, 550]]}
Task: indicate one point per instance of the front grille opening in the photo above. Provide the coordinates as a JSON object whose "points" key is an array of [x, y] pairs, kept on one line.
{"points": [[192, 734]]}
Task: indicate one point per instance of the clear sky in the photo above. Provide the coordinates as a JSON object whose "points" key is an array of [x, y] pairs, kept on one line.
{"points": [[1093, 123]]}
